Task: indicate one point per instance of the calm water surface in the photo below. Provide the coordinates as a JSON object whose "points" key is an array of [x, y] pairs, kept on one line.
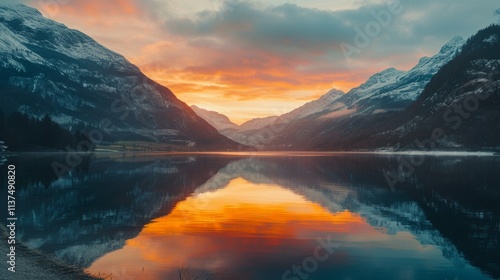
{"points": [[265, 217]]}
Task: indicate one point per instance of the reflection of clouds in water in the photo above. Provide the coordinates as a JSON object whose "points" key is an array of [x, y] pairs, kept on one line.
{"points": [[90, 212], [281, 202], [394, 218], [233, 230]]}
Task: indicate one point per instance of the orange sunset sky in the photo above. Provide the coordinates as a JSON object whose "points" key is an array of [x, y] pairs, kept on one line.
{"points": [[250, 59]]}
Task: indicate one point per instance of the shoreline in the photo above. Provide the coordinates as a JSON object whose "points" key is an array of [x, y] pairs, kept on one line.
{"points": [[267, 153], [33, 264]]}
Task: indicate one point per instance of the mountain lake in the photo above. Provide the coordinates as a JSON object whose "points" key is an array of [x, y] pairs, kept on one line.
{"points": [[264, 216]]}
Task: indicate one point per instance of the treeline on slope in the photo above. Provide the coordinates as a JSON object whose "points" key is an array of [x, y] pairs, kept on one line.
{"points": [[20, 132], [472, 50], [479, 132]]}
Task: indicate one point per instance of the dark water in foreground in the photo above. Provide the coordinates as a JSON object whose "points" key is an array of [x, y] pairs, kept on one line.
{"points": [[264, 218]]}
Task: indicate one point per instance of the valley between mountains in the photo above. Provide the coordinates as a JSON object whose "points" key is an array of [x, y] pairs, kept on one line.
{"points": [[446, 102], [450, 101]]}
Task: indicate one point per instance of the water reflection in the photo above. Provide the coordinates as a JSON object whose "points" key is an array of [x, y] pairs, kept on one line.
{"points": [[253, 218], [221, 230], [103, 202]]}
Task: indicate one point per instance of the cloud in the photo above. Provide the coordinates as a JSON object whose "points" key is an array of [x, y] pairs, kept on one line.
{"points": [[275, 49], [222, 52], [286, 28]]}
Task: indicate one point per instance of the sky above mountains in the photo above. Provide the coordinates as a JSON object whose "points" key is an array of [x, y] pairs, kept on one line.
{"points": [[250, 59]]}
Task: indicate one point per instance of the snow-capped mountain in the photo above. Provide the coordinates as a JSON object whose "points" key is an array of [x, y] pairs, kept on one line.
{"points": [[395, 109], [394, 89], [462, 101], [23, 28], [389, 90], [325, 102], [47, 68]]}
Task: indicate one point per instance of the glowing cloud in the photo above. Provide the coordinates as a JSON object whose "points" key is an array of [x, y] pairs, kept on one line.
{"points": [[256, 59]]}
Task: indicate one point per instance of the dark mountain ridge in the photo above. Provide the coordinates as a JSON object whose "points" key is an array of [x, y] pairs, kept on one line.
{"points": [[459, 109], [47, 68]]}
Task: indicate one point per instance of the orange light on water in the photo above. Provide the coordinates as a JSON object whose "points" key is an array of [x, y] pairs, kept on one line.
{"points": [[216, 228], [245, 209]]}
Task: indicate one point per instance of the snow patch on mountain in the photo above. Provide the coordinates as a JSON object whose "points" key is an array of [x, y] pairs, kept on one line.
{"points": [[258, 123], [49, 68], [395, 89], [312, 107], [388, 90], [217, 120], [30, 24], [492, 39]]}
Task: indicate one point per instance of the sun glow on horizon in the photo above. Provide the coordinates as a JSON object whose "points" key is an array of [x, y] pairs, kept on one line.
{"points": [[240, 103], [242, 82], [223, 54]]}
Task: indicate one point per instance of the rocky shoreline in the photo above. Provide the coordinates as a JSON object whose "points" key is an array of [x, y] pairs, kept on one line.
{"points": [[32, 264]]}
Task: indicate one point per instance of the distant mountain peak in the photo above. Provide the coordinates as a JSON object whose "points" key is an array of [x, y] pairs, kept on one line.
{"points": [[332, 94], [421, 102], [382, 78], [389, 90], [389, 70], [453, 45], [219, 121]]}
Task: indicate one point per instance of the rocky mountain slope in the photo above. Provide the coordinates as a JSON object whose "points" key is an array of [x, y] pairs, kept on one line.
{"points": [[459, 109], [394, 89], [47, 68], [389, 90], [456, 109]]}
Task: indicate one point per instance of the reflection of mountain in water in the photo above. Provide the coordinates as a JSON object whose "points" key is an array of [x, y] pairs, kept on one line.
{"points": [[450, 203], [86, 214]]}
